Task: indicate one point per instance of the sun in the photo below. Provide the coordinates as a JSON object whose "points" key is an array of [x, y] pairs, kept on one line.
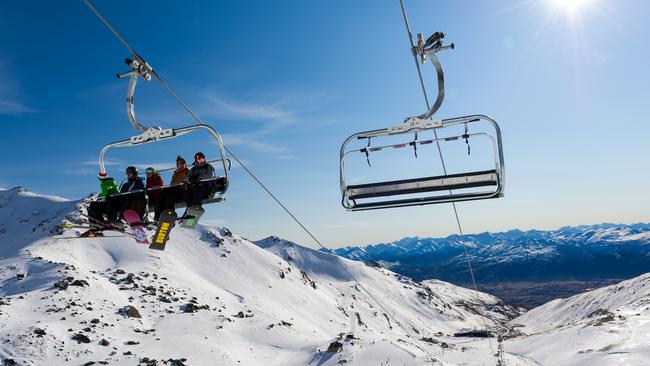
{"points": [[571, 7]]}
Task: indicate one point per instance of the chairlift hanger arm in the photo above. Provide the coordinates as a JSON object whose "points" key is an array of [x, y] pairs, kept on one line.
{"points": [[422, 51], [138, 69]]}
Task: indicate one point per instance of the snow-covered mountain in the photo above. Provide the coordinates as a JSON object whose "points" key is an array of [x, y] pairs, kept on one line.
{"points": [[583, 252], [606, 326], [214, 298]]}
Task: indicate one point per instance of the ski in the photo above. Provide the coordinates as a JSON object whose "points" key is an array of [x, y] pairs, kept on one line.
{"points": [[133, 219], [166, 222], [92, 233], [93, 221], [101, 226], [192, 216]]}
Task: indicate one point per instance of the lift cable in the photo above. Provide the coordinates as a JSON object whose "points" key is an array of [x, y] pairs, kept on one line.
{"points": [[444, 167], [260, 183]]}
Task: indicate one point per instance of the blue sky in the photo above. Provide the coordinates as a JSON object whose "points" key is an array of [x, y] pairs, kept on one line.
{"points": [[286, 82]]}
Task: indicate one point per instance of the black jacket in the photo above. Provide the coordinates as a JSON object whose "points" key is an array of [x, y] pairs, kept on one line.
{"points": [[202, 172], [135, 184]]}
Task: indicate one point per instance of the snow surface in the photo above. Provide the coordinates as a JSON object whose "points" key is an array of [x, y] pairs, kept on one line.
{"points": [[606, 326], [215, 298]]}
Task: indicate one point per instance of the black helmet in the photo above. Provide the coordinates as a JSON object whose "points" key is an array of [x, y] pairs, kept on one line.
{"points": [[199, 155], [132, 169]]}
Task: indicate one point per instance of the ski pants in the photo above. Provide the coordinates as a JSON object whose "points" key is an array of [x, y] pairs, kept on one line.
{"points": [[108, 207], [133, 201], [198, 192], [157, 202], [173, 195]]}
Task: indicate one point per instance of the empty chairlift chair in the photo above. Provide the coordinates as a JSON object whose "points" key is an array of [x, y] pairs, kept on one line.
{"points": [[219, 184], [472, 185]]}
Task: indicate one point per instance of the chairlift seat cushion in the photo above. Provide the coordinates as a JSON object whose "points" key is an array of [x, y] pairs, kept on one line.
{"points": [[420, 185]]}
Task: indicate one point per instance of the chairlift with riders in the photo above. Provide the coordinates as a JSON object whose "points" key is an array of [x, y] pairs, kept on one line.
{"points": [[217, 185]]}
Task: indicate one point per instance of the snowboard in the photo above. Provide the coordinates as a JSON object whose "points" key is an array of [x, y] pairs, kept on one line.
{"points": [[192, 216], [133, 219], [166, 222]]}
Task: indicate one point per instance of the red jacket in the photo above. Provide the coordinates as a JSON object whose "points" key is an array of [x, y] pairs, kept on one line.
{"points": [[154, 181]]}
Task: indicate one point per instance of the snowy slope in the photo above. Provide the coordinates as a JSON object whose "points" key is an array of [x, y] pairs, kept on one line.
{"points": [[26, 217], [606, 326], [215, 298]]}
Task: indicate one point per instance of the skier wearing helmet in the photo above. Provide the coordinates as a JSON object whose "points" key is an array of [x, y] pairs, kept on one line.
{"points": [[97, 209], [132, 183], [201, 180], [135, 187]]}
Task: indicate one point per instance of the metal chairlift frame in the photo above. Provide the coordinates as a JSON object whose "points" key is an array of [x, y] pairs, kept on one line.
{"points": [[139, 68], [425, 50]]}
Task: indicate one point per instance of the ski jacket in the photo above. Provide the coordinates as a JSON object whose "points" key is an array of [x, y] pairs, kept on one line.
{"points": [[108, 187], [132, 185], [200, 172], [154, 181], [179, 176]]}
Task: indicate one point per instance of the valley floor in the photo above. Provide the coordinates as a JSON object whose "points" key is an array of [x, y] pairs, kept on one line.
{"points": [[532, 294]]}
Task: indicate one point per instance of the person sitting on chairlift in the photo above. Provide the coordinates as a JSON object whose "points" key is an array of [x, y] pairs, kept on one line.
{"points": [[154, 191], [201, 181], [180, 173], [176, 191], [133, 184], [107, 207]]}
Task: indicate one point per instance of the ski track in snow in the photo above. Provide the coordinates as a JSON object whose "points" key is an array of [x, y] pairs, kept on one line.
{"points": [[214, 298]]}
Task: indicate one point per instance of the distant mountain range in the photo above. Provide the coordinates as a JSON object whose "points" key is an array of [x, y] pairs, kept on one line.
{"points": [[584, 253]]}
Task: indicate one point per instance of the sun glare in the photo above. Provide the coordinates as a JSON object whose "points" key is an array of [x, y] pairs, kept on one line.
{"points": [[571, 7]]}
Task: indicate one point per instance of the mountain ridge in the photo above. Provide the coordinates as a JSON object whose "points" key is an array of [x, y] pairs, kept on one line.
{"points": [[568, 253]]}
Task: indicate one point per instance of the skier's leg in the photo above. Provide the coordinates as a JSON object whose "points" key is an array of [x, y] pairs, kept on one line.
{"points": [[156, 203], [191, 195], [124, 204], [96, 210], [201, 192], [206, 190], [171, 196], [112, 207], [139, 204]]}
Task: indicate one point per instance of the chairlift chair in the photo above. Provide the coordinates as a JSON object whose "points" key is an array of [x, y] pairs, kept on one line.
{"points": [[473, 185], [139, 68]]}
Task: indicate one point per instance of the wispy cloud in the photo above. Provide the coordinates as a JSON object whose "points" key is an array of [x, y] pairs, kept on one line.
{"points": [[9, 90], [9, 108], [279, 111], [266, 113], [271, 113], [107, 162], [252, 141]]}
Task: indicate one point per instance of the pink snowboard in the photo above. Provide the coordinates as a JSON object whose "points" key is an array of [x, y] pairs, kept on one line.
{"points": [[133, 219]]}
